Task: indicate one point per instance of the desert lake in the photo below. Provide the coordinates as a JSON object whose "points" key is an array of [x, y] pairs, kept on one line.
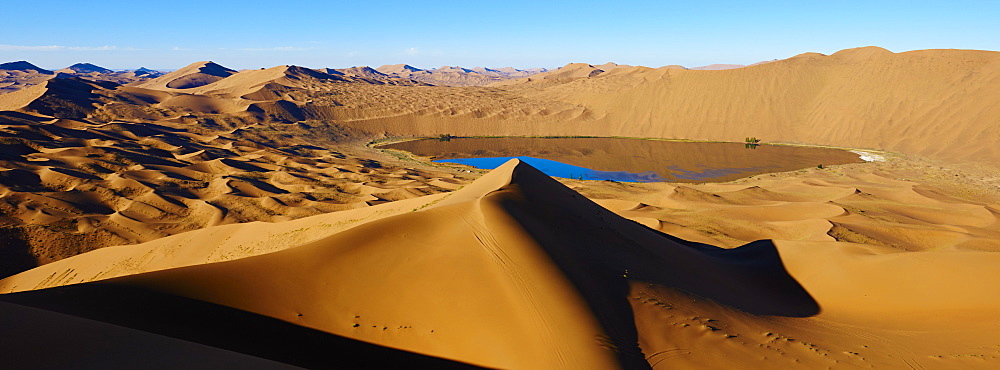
{"points": [[628, 160]]}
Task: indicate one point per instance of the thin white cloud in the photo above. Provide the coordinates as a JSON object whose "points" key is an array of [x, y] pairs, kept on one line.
{"points": [[353, 53], [55, 48], [276, 48], [412, 51], [92, 48], [31, 48]]}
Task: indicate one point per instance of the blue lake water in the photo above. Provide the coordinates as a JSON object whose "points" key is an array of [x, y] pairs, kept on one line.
{"points": [[559, 169], [627, 160]]}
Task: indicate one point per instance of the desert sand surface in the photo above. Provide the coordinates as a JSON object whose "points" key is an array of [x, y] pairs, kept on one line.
{"points": [[19, 75], [550, 279], [453, 75], [920, 102], [71, 186], [197, 210]]}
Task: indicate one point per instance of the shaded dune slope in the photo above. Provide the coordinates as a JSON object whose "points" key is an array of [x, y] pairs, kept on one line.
{"points": [[21, 74], [194, 75], [15, 76], [64, 97], [516, 270], [546, 265], [104, 325], [73, 341]]}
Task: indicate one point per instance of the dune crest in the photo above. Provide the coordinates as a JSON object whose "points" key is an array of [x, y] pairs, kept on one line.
{"points": [[919, 103], [193, 75], [454, 75], [544, 277]]}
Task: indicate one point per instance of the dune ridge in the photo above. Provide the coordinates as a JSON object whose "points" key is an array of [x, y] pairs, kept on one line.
{"points": [[456, 76], [70, 186], [547, 278], [945, 117], [15, 76], [194, 75], [919, 102]]}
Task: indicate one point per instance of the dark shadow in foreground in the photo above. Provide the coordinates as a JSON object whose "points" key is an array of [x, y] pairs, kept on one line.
{"points": [[15, 252], [212, 325]]}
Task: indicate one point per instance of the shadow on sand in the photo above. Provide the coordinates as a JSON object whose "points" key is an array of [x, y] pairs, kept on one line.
{"points": [[601, 252], [209, 324]]}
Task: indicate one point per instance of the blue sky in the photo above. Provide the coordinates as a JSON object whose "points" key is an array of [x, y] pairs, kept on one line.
{"points": [[522, 34]]}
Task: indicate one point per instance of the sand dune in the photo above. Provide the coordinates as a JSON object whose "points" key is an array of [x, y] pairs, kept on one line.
{"points": [[453, 75], [370, 75], [508, 72], [98, 73], [918, 102], [258, 105], [20, 75], [567, 72], [193, 75], [85, 68], [516, 270], [71, 186], [717, 67], [246, 202], [71, 98], [23, 66]]}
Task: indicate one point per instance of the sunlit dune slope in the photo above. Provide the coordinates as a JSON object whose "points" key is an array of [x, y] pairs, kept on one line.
{"points": [[934, 103], [194, 75], [938, 103], [70, 186], [518, 271]]}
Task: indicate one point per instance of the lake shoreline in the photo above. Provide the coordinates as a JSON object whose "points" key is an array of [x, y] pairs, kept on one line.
{"points": [[685, 161]]}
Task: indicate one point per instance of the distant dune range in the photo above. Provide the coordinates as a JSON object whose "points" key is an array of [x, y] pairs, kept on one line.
{"points": [[18, 75], [240, 216], [936, 103]]}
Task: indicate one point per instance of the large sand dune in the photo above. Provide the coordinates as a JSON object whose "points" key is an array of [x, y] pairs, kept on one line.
{"points": [[70, 186], [934, 103], [194, 75], [516, 270]]}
